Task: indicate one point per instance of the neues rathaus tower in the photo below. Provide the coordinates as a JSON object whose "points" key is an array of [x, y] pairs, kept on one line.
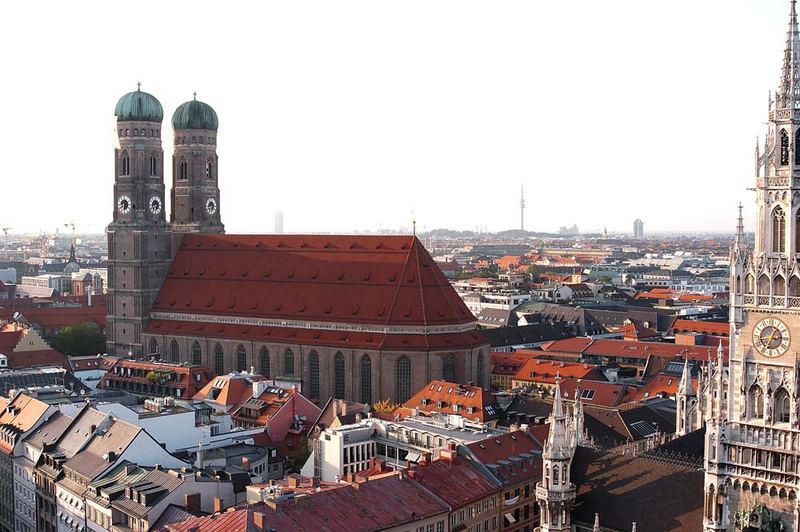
{"points": [[752, 443]]}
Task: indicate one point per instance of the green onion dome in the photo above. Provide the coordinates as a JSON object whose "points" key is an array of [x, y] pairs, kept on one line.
{"points": [[138, 106], [195, 114]]}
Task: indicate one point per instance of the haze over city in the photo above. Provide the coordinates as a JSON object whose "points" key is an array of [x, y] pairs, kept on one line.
{"points": [[350, 115]]}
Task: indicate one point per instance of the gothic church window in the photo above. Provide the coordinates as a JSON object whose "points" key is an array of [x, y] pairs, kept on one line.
{"points": [[366, 379], [288, 362], [763, 285], [784, 147], [313, 375], [196, 353], [449, 368], [209, 170], [403, 379], [219, 360], [263, 361], [778, 230], [184, 170], [794, 286], [173, 351], [783, 406], [153, 166], [241, 358], [756, 402], [749, 284], [126, 164], [153, 346], [338, 375]]}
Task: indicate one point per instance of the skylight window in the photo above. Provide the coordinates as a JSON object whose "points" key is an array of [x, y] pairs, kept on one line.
{"points": [[587, 394]]}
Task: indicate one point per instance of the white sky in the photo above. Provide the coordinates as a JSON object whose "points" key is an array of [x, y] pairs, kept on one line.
{"points": [[349, 115]]}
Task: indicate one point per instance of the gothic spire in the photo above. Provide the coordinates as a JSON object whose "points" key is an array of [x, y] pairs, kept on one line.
{"points": [[685, 386], [740, 227], [789, 90]]}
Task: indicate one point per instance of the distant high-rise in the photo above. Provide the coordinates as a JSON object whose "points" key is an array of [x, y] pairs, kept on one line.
{"points": [[278, 222], [521, 208], [638, 228]]}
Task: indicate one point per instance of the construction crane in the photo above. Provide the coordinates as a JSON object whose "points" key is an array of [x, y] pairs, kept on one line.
{"points": [[72, 226], [5, 242]]}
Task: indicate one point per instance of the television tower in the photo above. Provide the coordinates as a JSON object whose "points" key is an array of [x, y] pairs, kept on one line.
{"points": [[522, 207]]}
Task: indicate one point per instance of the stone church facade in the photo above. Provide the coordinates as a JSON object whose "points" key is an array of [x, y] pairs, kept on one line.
{"points": [[363, 318], [752, 443]]}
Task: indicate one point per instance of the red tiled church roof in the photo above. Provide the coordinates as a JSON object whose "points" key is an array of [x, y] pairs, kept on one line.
{"points": [[380, 280]]}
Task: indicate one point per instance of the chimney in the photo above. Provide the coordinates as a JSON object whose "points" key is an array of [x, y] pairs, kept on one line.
{"points": [[191, 503], [219, 505], [260, 520]]}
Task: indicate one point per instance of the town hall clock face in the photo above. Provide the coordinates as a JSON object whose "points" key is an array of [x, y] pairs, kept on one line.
{"points": [[124, 204], [211, 206], [771, 337]]}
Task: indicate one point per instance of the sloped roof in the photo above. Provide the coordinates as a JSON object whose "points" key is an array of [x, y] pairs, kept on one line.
{"points": [[545, 371], [715, 328], [381, 280], [456, 481], [526, 334], [625, 488], [448, 394], [228, 390]]}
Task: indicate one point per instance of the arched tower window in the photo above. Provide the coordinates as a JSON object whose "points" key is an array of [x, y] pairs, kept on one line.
{"points": [[366, 379], [288, 362], [481, 374], [183, 172], [219, 360], [796, 151], [313, 375], [209, 170], [794, 286], [778, 230], [555, 475], [153, 166], [756, 402], [241, 358], [338, 375], [403, 379], [763, 285], [174, 351], [197, 357], [779, 286], [784, 147], [153, 346], [783, 406], [126, 164], [449, 368], [263, 361]]}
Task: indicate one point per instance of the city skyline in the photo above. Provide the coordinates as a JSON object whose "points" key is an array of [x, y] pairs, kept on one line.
{"points": [[396, 126]]}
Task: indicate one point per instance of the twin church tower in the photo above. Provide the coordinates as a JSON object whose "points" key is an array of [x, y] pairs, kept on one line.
{"points": [[141, 242]]}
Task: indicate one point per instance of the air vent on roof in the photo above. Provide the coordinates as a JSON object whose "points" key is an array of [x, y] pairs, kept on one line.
{"points": [[188, 302], [380, 246], [222, 273], [315, 274], [172, 302], [210, 302], [267, 273], [305, 245], [355, 310], [202, 272], [277, 307], [340, 276], [329, 245], [404, 246], [301, 308], [290, 275], [328, 309], [244, 273], [367, 276], [236, 244], [392, 278], [282, 244]]}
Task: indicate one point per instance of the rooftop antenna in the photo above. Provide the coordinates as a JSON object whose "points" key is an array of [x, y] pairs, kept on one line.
{"points": [[138, 85], [414, 223]]}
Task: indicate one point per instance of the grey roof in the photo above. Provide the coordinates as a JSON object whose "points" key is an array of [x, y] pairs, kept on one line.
{"points": [[95, 458], [49, 431]]}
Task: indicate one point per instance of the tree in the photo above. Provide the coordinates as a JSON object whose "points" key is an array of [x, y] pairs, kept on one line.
{"points": [[82, 339]]}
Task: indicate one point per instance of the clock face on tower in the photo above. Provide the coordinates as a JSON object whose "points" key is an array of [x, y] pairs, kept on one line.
{"points": [[124, 204], [211, 206], [155, 205], [771, 337]]}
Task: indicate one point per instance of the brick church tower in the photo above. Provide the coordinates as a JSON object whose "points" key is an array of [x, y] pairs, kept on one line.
{"points": [[195, 188], [138, 236]]}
